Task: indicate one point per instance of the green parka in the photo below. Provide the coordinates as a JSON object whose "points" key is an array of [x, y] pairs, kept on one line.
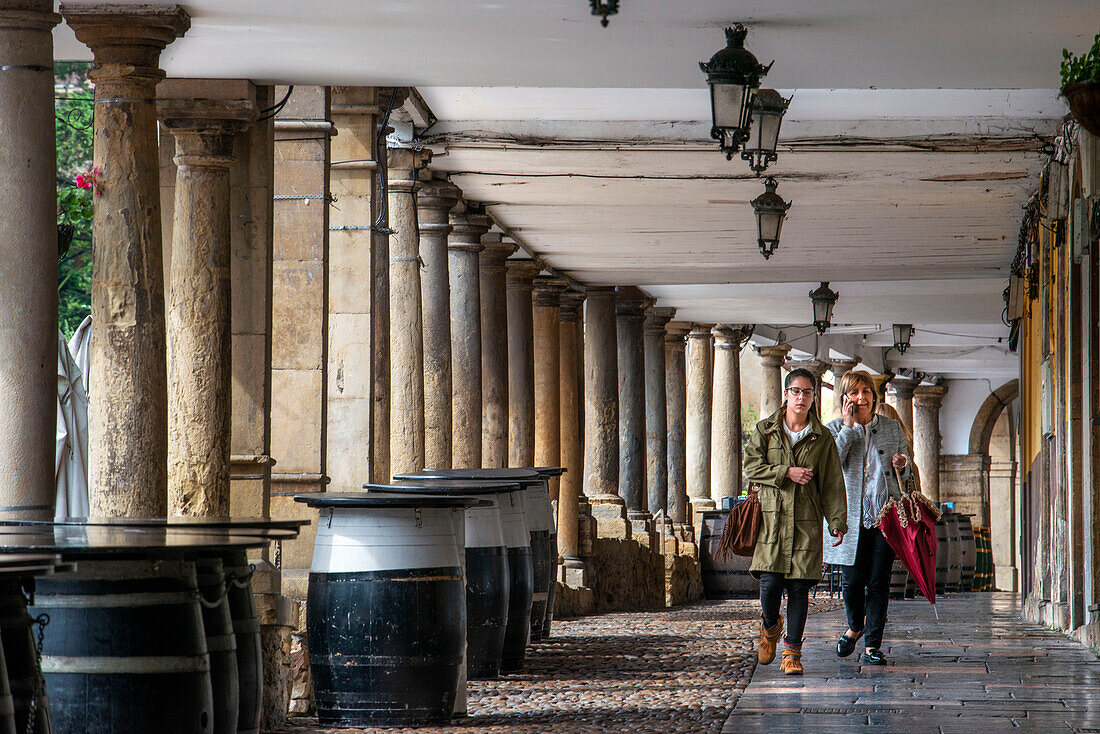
{"points": [[790, 532]]}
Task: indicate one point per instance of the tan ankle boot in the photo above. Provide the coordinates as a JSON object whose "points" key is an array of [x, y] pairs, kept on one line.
{"points": [[792, 662], [765, 648]]}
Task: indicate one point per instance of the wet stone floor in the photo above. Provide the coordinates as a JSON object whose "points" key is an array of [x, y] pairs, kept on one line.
{"points": [[977, 669]]}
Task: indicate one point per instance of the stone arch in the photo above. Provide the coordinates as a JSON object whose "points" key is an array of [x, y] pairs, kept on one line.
{"points": [[988, 414]]}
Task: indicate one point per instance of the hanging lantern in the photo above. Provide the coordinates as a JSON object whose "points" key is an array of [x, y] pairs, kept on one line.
{"points": [[903, 333], [768, 108], [604, 8], [734, 76], [823, 299], [770, 210]]}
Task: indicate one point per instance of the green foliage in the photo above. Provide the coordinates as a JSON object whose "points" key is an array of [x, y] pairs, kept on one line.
{"points": [[1084, 68], [73, 127], [749, 418]]}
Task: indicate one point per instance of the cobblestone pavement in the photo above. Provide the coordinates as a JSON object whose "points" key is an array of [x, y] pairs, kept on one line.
{"points": [[662, 672], [978, 669]]}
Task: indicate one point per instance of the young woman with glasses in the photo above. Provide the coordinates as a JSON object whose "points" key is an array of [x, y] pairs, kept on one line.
{"points": [[792, 460]]}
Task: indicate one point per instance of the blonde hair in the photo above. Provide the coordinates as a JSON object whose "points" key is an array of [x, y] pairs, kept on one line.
{"points": [[852, 378]]}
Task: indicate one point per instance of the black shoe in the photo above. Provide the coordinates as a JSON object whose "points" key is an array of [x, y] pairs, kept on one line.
{"points": [[874, 657], [846, 645]]}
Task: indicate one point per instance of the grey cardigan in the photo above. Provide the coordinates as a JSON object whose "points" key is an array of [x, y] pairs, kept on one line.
{"points": [[888, 438]]}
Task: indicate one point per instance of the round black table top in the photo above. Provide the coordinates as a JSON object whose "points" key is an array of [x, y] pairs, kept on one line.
{"points": [[104, 542], [526, 477], [279, 529], [445, 486], [374, 501]]}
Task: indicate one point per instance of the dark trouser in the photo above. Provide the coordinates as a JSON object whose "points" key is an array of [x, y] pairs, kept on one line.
{"points": [[866, 585], [772, 586]]}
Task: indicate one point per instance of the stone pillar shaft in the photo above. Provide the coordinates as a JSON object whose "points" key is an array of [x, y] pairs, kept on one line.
{"points": [[28, 262], [725, 465], [521, 362], [771, 391], [572, 450], [630, 314], [927, 400], [656, 414], [601, 395], [199, 353], [434, 202], [463, 251], [494, 352], [547, 353], [406, 326], [903, 395], [128, 447], [698, 416], [676, 408]]}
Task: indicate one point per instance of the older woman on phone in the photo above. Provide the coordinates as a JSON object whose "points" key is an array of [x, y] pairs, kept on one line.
{"points": [[871, 448]]}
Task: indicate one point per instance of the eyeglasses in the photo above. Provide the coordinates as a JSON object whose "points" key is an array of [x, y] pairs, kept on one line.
{"points": [[798, 391]]}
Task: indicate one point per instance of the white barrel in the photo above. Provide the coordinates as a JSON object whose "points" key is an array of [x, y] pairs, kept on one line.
{"points": [[513, 519], [375, 539], [485, 525], [540, 513]]}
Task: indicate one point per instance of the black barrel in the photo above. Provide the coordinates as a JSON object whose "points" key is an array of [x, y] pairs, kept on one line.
{"points": [[521, 575], [246, 634], [729, 577], [386, 609], [220, 643], [968, 555], [125, 650], [550, 474], [21, 662]]}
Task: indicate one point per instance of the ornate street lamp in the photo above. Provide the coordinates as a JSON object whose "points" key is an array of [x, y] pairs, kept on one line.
{"points": [[604, 8], [734, 76], [824, 299], [903, 333], [768, 108], [770, 210]]}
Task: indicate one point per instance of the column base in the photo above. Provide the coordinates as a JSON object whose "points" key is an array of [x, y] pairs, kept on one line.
{"points": [[1006, 578], [574, 573], [642, 528], [609, 512]]}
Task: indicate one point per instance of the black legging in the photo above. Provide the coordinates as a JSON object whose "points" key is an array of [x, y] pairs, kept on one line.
{"points": [[866, 585], [772, 586]]}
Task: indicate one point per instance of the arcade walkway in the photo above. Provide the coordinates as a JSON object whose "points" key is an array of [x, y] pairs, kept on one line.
{"points": [[684, 670]]}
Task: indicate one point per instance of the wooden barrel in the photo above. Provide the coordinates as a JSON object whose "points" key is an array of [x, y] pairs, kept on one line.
{"points": [[221, 643], [246, 635], [984, 564], [943, 553], [954, 573], [729, 577], [968, 555], [899, 576], [540, 519], [18, 662], [487, 589], [386, 611], [125, 648], [517, 539], [549, 474]]}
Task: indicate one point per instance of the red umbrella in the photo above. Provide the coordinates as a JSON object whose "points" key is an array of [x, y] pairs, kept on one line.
{"points": [[909, 525]]}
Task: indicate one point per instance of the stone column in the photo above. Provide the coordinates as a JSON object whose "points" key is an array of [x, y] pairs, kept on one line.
{"points": [[572, 450], [838, 368], [433, 205], [28, 263], [199, 356], [725, 465], [903, 396], [927, 400], [463, 251], [881, 382], [520, 276], [630, 306], [676, 410], [698, 419], [771, 392], [656, 414], [601, 414], [547, 366], [128, 447], [406, 327], [817, 368], [494, 352]]}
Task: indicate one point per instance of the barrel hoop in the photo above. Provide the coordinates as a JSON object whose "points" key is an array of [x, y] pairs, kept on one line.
{"points": [[128, 665], [433, 573], [221, 643], [248, 624], [94, 601]]}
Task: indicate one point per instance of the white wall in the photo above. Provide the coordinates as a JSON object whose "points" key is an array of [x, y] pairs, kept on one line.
{"points": [[960, 405]]}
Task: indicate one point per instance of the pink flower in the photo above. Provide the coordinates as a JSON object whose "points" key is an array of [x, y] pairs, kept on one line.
{"points": [[82, 183]]}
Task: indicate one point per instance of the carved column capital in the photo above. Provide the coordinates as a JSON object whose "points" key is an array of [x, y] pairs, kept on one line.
{"points": [[773, 356], [571, 306], [434, 202], [929, 396]]}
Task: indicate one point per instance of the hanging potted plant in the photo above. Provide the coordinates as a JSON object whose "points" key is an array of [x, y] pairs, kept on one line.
{"points": [[1081, 85]]}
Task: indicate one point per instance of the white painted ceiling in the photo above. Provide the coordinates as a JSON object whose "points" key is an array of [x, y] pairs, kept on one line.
{"points": [[908, 150]]}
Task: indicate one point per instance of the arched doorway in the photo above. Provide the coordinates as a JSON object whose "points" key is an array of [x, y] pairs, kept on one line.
{"points": [[993, 443]]}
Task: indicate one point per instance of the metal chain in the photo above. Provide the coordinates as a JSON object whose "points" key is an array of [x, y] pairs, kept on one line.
{"points": [[278, 554], [241, 582], [42, 620]]}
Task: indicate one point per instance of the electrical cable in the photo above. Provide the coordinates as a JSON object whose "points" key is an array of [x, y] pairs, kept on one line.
{"points": [[269, 112], [379, 139]]}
